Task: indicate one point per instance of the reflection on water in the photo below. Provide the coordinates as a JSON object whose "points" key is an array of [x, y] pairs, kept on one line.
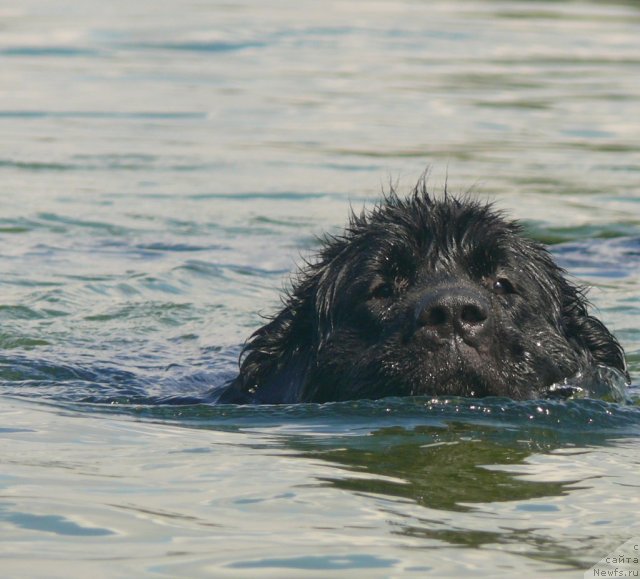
{"points": [[502, 488], [449, 454], [441, 475]]}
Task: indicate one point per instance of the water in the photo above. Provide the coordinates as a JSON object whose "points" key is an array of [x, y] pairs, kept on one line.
{"points": [[164, 166]]}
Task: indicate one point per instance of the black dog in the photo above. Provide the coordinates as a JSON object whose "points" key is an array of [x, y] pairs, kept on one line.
{"points": [[425, 296]]}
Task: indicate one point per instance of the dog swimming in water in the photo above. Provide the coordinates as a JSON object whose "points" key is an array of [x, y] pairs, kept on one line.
{"points": [[425, 296]]}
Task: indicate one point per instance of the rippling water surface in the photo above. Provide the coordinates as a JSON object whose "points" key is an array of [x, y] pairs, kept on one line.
{"points": [[165, 165]]}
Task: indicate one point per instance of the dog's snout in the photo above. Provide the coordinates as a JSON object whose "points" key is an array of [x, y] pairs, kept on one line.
{"points": [[453, 310]]}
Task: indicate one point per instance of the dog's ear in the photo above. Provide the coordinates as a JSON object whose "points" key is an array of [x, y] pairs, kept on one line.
{"points": [[592, 333], [276, 358]]}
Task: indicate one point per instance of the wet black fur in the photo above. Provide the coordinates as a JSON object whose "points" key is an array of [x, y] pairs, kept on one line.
{"points": [[370, 317]]}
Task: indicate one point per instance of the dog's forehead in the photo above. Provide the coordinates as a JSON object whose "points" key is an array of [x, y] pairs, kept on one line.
{"points": [[466, 258], [481, 241]]}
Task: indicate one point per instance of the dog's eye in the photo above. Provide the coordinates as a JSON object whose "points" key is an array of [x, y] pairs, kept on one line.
{"points": [[381, 290], [502, 286]]}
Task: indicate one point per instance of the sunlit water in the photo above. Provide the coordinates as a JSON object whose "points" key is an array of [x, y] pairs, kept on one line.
{"points": [[165, 165]]}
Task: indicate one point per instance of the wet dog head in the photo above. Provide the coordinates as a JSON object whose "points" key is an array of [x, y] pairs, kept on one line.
{"points": [[424, 296]]}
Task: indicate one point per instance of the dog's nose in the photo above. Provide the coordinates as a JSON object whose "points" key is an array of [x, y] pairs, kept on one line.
{"points": [[448, 311]]}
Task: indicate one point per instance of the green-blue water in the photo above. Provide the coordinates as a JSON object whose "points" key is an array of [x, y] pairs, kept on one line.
{"points": [[164, 166]]}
